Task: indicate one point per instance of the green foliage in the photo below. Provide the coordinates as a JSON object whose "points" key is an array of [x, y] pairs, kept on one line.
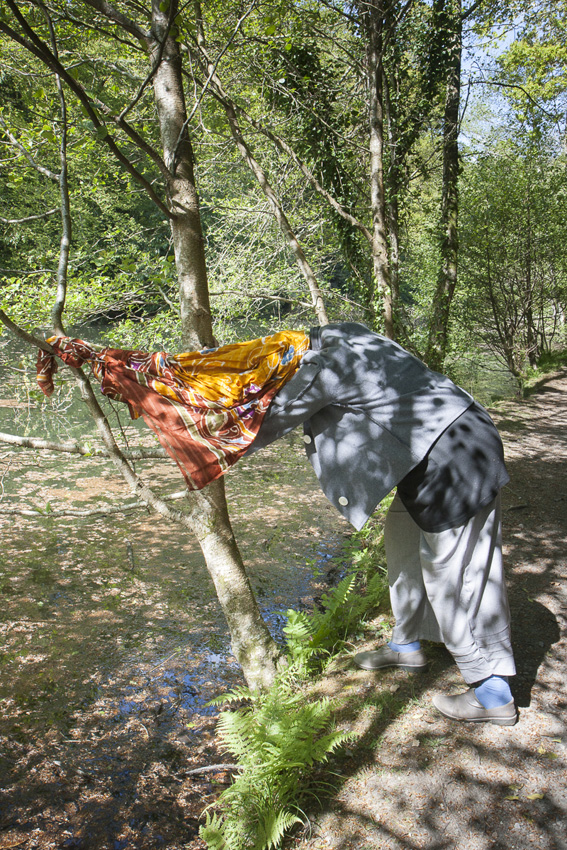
{"points": [[514, 256], [534, 68], [279, 736], [312, 637]]}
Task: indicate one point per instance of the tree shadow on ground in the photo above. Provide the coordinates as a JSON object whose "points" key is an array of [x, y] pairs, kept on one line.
{"points": [[414, 779]]}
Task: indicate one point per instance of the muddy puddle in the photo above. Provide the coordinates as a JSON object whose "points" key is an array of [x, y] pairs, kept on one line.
{"points": [[112, 642]]}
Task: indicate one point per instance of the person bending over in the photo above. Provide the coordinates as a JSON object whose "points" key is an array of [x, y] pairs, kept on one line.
{"points": [[375, 417]]}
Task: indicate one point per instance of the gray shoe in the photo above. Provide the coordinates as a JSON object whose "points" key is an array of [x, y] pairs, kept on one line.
{"points": [[386, 657], [467, 708]]}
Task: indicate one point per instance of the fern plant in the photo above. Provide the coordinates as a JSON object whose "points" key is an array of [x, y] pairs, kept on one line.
{"points": [[277, 738], [312, 636], [279, 735]]}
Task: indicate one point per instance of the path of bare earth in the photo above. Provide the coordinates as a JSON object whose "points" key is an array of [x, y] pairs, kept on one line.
{"points": [[416, 780]]}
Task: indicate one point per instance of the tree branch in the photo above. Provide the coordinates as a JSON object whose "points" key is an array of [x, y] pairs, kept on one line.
{"points": [[144, 493], [12, 272], [521, 88], [102, 511], [108, 11], [39, 49], [46, 172], [66, 224], [210, 768], [74, 447], [471, 10], [28, 218], [212, 71], [282, 145], [261, 177]]}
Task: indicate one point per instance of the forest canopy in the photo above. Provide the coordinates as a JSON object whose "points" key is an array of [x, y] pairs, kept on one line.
{"points": [[403, 161]]}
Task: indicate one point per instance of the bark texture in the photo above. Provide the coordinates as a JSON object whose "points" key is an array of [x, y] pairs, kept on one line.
{"points": [[373, 17], [447, 279], [252, 643]]}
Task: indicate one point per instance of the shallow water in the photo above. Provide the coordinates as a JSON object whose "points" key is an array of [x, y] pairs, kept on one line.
{"points": [[112, 640], [114, 619]]}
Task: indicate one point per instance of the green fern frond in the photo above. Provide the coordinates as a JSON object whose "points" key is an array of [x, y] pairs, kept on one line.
{"points": [[212, 832], [279, 735], [272, 828], [237, 694]]}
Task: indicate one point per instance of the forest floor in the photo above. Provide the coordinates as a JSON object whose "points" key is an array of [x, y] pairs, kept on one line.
{"points": [[414, 779], [111, 769]]}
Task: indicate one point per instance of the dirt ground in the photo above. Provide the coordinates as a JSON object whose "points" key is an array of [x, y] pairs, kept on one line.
{"points": [[111, 770], [417, 780]]}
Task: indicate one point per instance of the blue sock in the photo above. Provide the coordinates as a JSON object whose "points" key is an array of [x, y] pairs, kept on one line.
{"points": [[493, 692], [404, 647]]}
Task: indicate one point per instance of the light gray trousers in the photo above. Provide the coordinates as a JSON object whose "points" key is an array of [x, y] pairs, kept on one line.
{"points": [[449, 586]]}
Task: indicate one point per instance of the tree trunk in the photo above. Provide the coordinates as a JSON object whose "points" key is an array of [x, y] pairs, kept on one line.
{"points": [[252, 643], [373, 17], [447, 279], [393, 207], [261, 176]]}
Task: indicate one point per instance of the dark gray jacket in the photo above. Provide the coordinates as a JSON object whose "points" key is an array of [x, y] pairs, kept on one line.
{"points": [[371, 411]]}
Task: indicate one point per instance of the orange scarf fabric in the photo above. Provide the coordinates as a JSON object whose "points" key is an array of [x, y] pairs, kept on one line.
{"points": [[205, 407]]}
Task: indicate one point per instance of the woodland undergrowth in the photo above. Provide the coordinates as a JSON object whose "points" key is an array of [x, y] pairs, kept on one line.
{"points": [[281, 737]]}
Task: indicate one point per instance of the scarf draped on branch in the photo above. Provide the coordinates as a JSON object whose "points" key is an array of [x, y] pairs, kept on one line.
{"points": [[205, 407]]}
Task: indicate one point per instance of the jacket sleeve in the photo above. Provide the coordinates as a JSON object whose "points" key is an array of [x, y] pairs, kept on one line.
{"points": [[295, 403]]}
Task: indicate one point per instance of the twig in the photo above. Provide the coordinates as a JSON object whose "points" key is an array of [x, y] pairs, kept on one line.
{"points": [[28, 217], [74, 447], [211, 768]]}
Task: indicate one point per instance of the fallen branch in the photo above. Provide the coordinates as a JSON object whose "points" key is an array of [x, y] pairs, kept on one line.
{"points": [[74, 447], [211, 768]]}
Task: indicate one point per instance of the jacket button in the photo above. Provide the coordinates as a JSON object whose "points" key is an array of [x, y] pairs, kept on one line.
{"points": [[343, 501], [307, 439]]}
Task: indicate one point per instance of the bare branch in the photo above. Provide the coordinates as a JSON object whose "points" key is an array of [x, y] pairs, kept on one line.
{"points": [[51, 175], [112, 14], [524, 91], [66, 226], [12, 272], [22, 334], [66, 15], [74, 447], [265, 185], [212, 71], [144, 85], [28, 218], [210, 768], [102, 511], [39, 49], [144, 493], [283, 146], [472, 9]]}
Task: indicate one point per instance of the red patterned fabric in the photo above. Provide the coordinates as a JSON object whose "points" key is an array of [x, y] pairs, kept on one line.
{"points": [[205, 407]]}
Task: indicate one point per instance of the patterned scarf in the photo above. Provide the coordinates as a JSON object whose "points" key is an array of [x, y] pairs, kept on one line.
{"points": [[205, 407]]}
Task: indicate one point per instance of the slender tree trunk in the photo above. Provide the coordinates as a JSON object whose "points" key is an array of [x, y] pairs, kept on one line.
{"points": [[373, 17], [252, 644], [447, 279], [63, 181], [262, 178], [531, 331], [393, 206]]}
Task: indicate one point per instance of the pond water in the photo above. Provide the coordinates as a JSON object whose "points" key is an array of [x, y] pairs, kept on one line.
{"points": [[112, 640]]}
